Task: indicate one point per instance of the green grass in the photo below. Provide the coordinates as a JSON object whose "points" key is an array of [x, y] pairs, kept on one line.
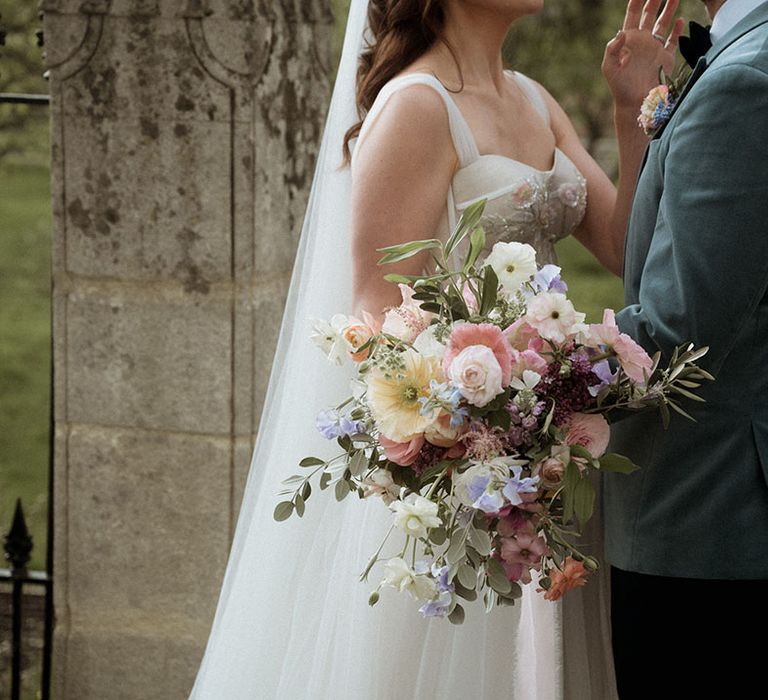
{"points": [[25, 242], [590, 287]]}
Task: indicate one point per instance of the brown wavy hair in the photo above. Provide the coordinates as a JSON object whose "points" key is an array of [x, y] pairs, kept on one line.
{"points": [[402, 30]]}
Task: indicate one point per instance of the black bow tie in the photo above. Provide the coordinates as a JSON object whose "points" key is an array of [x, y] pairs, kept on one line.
{"points": [[693, 47]]}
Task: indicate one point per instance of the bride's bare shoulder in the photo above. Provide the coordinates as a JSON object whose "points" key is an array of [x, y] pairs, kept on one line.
{"points": [[413, 121]]}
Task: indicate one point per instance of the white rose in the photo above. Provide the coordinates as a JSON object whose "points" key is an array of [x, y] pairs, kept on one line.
{"points": [[415, 515], [514, 264], [400, 576], [476, 373], [553, 316], [380, 483]]}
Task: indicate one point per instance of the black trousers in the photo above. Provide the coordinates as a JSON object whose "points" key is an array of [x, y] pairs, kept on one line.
{"points": [[681, 637]]}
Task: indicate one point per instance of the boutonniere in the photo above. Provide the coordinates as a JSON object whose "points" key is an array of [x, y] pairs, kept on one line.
{"points": [[658, 105]]}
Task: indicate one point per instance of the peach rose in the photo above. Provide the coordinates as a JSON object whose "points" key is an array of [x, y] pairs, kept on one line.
{"points": [[572, 576], [402, 453]]}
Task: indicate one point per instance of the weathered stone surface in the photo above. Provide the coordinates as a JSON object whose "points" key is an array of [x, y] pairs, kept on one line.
{"points": [[140, 494], [137, 358], [184, 140]]}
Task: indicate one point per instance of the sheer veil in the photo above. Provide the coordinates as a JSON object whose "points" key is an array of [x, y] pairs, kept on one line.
{"points": [[265, 555], [292, 619]]}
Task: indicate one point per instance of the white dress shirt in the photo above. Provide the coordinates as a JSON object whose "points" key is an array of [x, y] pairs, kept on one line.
{"points": [[730, 14]]}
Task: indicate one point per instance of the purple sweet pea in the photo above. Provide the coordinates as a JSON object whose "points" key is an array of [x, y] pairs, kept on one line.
{"points": [[482, 499], [333, 424], [515, 486], [548, 279], [602, 371], [438, 607]]}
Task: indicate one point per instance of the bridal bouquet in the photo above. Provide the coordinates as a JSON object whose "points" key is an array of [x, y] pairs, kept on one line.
{"points": [[477, 416]]}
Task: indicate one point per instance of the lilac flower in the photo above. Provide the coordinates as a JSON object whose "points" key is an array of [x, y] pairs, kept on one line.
{"points": [[547, 279], [333, 424], [438, 607], [515, 486]]}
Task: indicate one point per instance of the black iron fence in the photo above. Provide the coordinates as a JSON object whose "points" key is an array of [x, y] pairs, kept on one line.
{"points": [[17, 543]]}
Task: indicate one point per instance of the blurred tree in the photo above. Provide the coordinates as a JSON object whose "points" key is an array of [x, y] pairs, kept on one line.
{"points": [[21, 70]]}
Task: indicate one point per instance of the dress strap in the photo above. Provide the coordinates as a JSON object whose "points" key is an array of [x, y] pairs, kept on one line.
{"points": [[534, 94], [463, 140]]}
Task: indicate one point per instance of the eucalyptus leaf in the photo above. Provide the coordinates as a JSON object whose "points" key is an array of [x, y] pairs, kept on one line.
{"points": [[341, 489], [358, 463], [467, 576], [437, 536], [497, 577], [306, 491], [311, 462], [481, 541], [457, 549], [299, 505], [325, 480], [283, 511], [466, 593], [457, 615]]}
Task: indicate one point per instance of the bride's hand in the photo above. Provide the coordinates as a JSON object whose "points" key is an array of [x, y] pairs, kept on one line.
{"points": [[644, 44]]}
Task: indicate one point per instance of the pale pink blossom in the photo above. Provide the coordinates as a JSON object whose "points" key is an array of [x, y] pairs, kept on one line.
{"points": [[553, 316], [590, 430], [521, 335], [407, 320], [634, 360], [527, 359]]}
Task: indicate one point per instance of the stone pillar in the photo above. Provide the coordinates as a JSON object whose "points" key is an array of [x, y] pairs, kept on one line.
{"points": [[184, 139]]}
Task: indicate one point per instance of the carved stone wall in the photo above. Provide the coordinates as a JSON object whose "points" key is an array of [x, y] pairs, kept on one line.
{"points": [[184, 139]]}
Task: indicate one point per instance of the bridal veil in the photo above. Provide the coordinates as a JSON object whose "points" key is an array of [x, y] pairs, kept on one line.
{"points": [[292, 620]]}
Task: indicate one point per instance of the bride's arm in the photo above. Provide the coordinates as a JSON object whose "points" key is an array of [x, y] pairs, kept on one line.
{"points": [[630, 66], [400, 182]]}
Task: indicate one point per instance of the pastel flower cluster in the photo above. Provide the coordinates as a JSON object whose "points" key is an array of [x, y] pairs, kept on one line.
{"points": [[478, 416], [656, 109]]}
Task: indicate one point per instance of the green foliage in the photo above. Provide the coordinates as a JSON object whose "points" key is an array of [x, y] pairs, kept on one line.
{"points": [[22, 127], [25, 224]]}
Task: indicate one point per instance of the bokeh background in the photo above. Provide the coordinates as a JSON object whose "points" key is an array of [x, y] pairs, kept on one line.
{"points": [[561, 47]]}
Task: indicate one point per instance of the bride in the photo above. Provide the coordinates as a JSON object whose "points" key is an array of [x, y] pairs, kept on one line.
{"points": [[444, 124]]}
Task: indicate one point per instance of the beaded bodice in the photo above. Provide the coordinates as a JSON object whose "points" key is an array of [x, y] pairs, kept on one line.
{"points": [[524, 204]]}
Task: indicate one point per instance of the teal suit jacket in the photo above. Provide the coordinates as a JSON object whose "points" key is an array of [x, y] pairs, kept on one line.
{"points": [[696, 270]]}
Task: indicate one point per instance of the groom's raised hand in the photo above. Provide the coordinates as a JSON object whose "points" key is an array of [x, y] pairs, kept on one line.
{"points": [[647, 41]]}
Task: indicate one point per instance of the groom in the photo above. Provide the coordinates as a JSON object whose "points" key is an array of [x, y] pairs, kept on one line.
{"points": [[687, 535]]}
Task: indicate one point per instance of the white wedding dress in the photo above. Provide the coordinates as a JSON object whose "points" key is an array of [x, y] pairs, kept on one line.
{"points": [[303, 630]]}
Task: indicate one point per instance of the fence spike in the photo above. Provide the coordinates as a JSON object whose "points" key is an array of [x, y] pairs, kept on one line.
{"points": [[18, 541]]}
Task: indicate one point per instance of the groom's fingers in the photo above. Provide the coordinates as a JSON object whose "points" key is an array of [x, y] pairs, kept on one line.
{"points": [[665, 19], [634, 11], [650, 11], [674, 37]]}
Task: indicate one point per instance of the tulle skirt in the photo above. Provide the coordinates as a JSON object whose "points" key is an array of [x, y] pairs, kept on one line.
{"points": [[302, 628]]}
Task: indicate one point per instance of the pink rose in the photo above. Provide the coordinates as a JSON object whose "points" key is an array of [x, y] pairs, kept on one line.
{"points": [[402, 453], [634, 360], [467, 334], [590, 430], [551, 471], [475, 372]]}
